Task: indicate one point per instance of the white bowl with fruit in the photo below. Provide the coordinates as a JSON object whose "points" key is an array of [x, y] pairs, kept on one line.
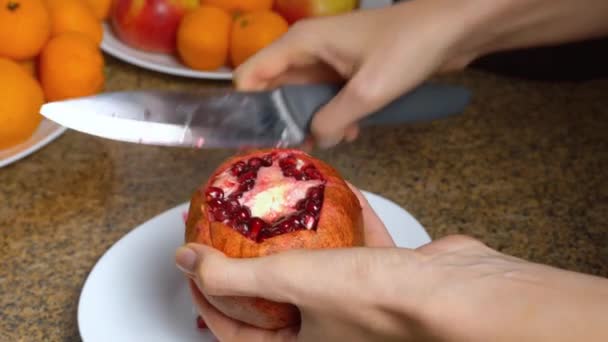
{"points": [[135, 38]]}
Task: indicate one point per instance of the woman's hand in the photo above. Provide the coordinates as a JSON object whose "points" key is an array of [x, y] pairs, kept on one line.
{"points": [[384, 53], [453, 289]]}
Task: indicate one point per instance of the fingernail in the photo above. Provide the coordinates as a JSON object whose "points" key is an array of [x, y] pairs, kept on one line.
{"points": [[185, 258]]}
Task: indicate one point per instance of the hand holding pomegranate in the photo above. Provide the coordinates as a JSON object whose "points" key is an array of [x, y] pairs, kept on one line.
{"points": [[270, 201], [384, 53], [454, 289]]}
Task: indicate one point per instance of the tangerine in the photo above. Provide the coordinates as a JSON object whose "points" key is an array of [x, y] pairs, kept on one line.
{"points": [[71, 65], [74, 16], [254, 31], [101, 8], [203, 38], [29, 65], [20, 100], [25, 27]]}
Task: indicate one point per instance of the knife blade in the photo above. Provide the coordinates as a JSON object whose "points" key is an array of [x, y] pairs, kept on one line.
{"points": [[232, 119]]}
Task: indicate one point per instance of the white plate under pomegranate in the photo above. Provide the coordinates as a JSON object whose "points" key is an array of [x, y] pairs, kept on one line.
{"points": [[135, 292], [170, 65], [46, 132]]}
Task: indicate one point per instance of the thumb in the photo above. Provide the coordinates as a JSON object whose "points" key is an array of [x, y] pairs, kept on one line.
{"points": [[337, 120], [218, 275]]}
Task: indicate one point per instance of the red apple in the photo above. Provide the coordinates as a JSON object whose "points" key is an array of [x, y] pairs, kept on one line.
{"points": [[149, 25], [294, 10]]}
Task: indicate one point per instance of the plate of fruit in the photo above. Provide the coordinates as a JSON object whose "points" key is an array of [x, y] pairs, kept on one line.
{"points": [[49, 51], [206, 38], [254, 204]]}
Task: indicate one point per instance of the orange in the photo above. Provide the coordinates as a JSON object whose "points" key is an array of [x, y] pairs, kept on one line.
{"points": [[29, 65], [101, 8], [25, 27], [74, 16], [71, 65], [252, 32], [239, 6], [203, 38], [20, 100]]}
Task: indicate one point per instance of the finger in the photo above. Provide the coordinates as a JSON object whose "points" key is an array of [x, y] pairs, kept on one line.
{"points": [[228, 329], [330, 123], [376, 234], [261, 68], [309, 74], [269, 63], [450, 243], [308, 145], [372, 86], [219, 275], [286, 277], [351, 133], [268, 277]]}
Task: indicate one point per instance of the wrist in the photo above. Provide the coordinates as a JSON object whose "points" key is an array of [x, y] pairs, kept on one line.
{"points": [[493, 26]]}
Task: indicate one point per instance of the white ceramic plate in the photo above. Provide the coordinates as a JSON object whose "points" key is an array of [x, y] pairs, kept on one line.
{"points": [[135, 292], [171, 65], [46, 132]]}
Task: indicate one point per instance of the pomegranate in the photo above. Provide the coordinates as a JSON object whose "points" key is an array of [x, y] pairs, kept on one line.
{"points": [[269, 201], [200, 323]]}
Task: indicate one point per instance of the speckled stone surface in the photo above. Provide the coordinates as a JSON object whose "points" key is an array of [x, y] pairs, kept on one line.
{"points": [[525, 169]]}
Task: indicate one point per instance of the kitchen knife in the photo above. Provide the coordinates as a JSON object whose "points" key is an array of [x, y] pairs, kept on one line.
{"points": [[231, 119]]}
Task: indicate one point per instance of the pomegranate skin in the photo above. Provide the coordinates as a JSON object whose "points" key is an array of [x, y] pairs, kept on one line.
{"points": [[340, 224]]}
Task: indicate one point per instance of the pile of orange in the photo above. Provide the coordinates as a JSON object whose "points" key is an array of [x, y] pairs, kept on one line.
{"points": [[49, 50], [227, 32]]}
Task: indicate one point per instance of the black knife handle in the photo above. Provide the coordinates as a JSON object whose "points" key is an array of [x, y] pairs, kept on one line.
{"points": [[424, 103]]}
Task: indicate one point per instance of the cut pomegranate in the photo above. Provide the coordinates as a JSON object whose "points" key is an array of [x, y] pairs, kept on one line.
{"points": [[266, 202], [270, 189]]}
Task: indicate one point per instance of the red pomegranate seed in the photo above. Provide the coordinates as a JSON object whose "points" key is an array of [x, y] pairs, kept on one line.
{"points": [[313, 207], [290, 172], [283, 227], [267, 232], [256, 224], [247, 185], [242, 227], [221, 215], [307, 220], [238, 168], [249, 175], [255, 163], [294, 222], [213, 193], [232, 206], [288, 162], [288, 225], [235, 195], [311, 172], [267, 160], [216, 203], [242, 214], [301, 204], [200, 323], [316, 193]]}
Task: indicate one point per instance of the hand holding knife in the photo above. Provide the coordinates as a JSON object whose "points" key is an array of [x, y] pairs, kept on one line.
{"points": [[233, 119]]}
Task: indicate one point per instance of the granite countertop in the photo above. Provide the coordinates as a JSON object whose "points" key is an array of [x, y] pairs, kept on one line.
{"points": [[525, 169]]}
